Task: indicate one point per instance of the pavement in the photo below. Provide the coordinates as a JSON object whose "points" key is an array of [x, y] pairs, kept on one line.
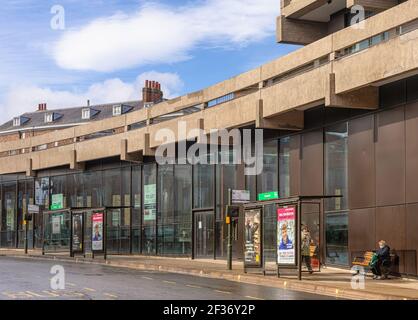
{"points": [[330, 282], [30, 279]]}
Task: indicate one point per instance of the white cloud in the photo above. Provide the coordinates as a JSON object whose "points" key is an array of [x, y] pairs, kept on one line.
{"points": [[21, 99], [163, 34]]}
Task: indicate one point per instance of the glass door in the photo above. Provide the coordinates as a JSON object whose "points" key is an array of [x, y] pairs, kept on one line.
{"points": [[204, 235]]}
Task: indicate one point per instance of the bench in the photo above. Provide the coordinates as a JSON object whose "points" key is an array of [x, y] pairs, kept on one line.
{"points": [[364, 261]]}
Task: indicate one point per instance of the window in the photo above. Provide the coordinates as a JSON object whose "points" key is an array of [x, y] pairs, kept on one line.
{"points": [[16, 122], [49, 117], [220, 100], [117, 110], [336, 183], [267, 180], [149, 198], [203, 183], [284, 168], [85, 114]]}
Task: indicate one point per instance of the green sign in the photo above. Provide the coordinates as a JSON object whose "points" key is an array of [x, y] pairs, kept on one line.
{"points": [[268, 196], [57, 202]]}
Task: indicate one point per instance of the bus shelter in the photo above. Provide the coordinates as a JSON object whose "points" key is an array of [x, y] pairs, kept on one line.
{"points": [[280, 235], [75, 231]]}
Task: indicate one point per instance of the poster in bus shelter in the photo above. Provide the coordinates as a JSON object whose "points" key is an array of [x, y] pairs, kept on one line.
{"points": [[286, 233], [77, 239], [252, 249], [97, 231]]}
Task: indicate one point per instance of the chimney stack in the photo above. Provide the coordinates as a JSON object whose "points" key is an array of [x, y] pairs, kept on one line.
{"points": [[151, 93], [42, 107]]}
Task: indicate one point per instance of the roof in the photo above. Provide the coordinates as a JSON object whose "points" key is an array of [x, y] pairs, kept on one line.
{"points": [[69, 116]]}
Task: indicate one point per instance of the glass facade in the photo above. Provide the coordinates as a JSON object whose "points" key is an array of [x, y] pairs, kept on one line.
{"points": [[336, 183]]}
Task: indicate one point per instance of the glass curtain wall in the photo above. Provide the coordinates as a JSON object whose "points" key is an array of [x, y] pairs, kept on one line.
{"points": [[336, 180]]}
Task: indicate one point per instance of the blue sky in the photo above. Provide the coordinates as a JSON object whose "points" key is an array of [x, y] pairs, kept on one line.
{"points": [[108, 48]]}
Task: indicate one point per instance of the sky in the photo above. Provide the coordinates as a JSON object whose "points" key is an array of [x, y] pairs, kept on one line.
{"points": [[64, 52]]}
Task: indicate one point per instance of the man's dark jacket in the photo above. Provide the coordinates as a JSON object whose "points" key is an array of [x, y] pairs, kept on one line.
{"points": [[384, 255]]}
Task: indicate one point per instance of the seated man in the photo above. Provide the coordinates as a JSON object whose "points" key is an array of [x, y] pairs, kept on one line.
{"points": [[381, 268]]}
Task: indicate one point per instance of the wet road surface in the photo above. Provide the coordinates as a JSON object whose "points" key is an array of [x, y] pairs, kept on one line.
{"points": [[31, 280]]}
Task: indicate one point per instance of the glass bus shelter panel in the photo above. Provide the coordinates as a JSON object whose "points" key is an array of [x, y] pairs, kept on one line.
{"points": [[57, 231], [311, 218]]}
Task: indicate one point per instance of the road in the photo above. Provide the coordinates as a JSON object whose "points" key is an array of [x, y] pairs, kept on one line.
{"points": [[30, 279]]}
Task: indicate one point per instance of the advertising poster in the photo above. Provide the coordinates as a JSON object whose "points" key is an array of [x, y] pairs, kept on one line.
{"points": [[97, 230], [252, 251], [150, 202], [56, 224], [41, 191], [286, 232], [77, 244]]}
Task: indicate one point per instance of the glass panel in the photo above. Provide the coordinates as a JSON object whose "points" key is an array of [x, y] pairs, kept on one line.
{"points": [[118, 231], [8, 225], [337, 238], [94, 190], [204, 235], [336, 183], [136, 211], [336, 169], [269, 233], [30, 199], [126, 186], [112, 183], [267, 180], [58, 186], [150, 209], [57, 229], [203, 182], [226, 178], [284, 168], [42, 192], [175, 212]]}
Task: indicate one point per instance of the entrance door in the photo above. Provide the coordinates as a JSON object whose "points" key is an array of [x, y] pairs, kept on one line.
{"points": [[204, 234]]}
